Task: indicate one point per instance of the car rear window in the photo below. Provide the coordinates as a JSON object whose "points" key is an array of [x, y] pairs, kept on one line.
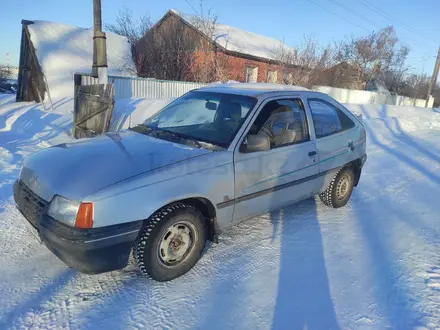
{"points": [[328, 119]]}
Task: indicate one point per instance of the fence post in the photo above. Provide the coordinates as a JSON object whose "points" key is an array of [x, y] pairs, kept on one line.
{"points": [[76, 84]]}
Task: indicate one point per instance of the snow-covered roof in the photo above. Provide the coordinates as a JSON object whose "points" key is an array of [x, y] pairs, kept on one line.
{"points": [[237, 40], [63, 50]]}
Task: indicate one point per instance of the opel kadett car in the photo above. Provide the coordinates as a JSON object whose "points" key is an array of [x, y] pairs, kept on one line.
{"points": [[208, 160]]}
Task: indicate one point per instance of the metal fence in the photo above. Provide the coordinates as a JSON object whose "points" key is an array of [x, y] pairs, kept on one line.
{"points": [[125, 87], [367, 97]]}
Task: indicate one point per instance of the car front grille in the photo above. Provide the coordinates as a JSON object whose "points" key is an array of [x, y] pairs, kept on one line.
{"points": [[30, 204]]}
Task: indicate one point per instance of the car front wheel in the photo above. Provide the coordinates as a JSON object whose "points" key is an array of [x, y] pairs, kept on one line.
{"points": [[171, 242], [339, 191]]}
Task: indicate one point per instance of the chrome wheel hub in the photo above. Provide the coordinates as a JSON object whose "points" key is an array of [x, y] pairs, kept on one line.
{"points": [[176, 243]]}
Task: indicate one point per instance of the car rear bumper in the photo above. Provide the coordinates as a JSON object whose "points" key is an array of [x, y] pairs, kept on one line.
{"points": [[363, 160]]}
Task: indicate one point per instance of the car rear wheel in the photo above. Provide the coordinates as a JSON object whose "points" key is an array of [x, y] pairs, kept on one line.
{"points": [[340, 189], [171, 242]]}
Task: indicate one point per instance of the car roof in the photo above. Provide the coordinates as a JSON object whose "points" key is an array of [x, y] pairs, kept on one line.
{"points": [[254, 89]]}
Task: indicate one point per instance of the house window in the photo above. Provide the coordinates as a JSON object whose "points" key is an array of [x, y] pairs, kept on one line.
{"points": [[272, 76], [251, 74], [288, 78]]}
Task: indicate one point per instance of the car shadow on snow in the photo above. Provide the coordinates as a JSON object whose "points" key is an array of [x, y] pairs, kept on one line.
{"points": [[303, 299]]}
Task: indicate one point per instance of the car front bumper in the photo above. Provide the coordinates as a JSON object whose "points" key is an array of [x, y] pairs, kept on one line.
{"points": [[90, 251]]}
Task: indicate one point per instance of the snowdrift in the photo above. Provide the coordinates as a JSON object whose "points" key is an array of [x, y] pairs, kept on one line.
{"points": [[134, 111], [63, 50]]}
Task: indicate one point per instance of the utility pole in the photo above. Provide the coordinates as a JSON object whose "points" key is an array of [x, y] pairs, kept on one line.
{"points": [[433, 78], [99, 68]]}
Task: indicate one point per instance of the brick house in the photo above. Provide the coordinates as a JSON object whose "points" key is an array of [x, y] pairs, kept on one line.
{"points": [[342, 75], [244, 56]]}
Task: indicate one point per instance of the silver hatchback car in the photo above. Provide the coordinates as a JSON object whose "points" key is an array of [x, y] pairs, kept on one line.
{"points": [[208, 160]]}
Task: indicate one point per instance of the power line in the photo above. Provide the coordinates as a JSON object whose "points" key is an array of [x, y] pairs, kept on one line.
{"points": [[394, 20], [375, 9], [357, 14], [350, 10], [341, 17], [192, 7]]}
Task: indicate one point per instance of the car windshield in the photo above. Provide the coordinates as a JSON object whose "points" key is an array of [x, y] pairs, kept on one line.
{"points": [[208, 117]]}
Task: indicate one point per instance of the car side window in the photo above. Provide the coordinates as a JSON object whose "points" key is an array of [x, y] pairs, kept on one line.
{"points": [[283, 122], [328, 119]]}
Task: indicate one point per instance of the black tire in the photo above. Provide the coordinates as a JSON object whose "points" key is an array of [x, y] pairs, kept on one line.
{"points": [[149, 253], [340, 189]]}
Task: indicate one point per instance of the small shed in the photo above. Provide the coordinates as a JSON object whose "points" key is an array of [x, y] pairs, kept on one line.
{"points": [[51, 53], [30, 83]]}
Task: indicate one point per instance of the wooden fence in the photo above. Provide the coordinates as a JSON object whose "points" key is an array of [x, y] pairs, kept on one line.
{"points": [[93, 107]]}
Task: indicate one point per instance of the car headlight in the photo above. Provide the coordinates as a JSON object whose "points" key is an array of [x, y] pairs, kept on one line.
{"points": [[64, 210]]}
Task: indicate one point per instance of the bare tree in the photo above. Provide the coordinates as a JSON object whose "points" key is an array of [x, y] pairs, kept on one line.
{"points": [[5, 73], [209, 63], [415, 85], [377, 55], [303, 65], [176, 51], [166, 51], [131, 28], [173, 50]]}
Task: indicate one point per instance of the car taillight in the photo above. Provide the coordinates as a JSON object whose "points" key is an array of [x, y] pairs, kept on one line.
{"points": [[84, 217]]}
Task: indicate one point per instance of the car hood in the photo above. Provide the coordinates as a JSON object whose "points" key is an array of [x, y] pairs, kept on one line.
{"points": [[75, 170]]}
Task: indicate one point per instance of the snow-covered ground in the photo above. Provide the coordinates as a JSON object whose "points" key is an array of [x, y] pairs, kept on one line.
{"points": [[372, 264]]}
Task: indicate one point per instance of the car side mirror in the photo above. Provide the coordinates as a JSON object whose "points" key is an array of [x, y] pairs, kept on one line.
{"points": [[254, 143]]}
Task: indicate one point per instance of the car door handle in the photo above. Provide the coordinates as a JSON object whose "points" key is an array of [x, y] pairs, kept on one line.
{"points": [[312, 153]]}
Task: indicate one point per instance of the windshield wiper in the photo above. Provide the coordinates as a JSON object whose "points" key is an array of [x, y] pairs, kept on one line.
{"points": [[182, 136], [199, 143], [155, 132], [141, 128]]}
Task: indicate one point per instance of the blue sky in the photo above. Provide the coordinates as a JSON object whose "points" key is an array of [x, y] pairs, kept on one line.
{"points": [[417, 22]]}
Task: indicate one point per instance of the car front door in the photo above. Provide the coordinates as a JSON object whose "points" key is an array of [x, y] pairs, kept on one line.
{"points": [[267, 180]]}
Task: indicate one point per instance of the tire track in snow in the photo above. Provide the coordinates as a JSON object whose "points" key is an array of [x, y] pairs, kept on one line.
{"points": [[433, 280], [431, 295]]}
